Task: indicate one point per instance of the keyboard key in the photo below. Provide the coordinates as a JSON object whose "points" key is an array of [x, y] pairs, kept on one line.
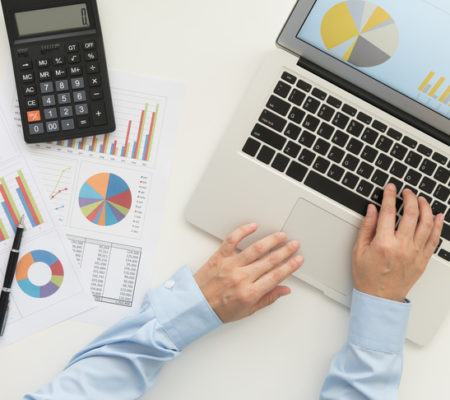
{"points": [[379, 126], [79, 96], [280, 162], [350, 162], [414, 190], [355, 146], [439, 158], [62, 86], [47, 87], [321, 146], [398, 169], [444, 254], [393, 133], [29, 90], [74, 59], [90, 56], [311, 123], [336, 172], [307, 139], [340, 120], [336, 154], [369, 154], [43, 63], [438, 208], [297, 97], [77, 83], [446, 232], [296, 115], [33, 116], [384, 144], [25, 65], [296, 171], [364, 118], [321, 164], [398, 184], [427, 185], [66, 111], [325, 130], [377, 195], [355, 128], [326, 112], [413, 159], [442, 193], [94, 80], [32, 103], [251, 147], [311, 105], [447, 216], [306, 87], [364, 188], [83, 122], [89, 45], [319, 94], [45, 75], [399, 151], [292, 131], [292, 149], [442, 174], [81, 109], [58, 60], [349, 110], [340, 138], [272, 120], [413, 177], [52, 126], [409, 142], [92, 68], [282, 89], [306, 157], [50, 113], [365, 170], [28, 77], [383, 162], [64, 98], [267, 136], [350, 180], [369, 136], [72, 47], [426, 151], [332, 101], [428, 167], [96, 94], [289, 78], [36, 129], [76, 71], [379, 178], [49, 100], [67, 124], [266, 154], [60, 73], [278, 105]]}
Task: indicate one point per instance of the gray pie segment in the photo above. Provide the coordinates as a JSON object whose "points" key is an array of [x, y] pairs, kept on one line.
{"points": [[365, 54]]}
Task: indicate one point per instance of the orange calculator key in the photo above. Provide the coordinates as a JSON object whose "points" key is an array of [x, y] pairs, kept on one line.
{"points": [[34, 116]]}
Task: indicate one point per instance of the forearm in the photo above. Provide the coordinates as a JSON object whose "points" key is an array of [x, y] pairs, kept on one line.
{"points": [[369, 366], [125, 361]]}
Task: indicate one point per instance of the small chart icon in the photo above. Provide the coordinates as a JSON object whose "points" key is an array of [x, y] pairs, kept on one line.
{"points": [[360, 32]]}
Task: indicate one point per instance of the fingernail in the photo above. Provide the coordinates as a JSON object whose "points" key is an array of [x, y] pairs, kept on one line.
{"points": [[284, 294], [295, 244], [370, 211], [391, 187], [298, 259], [282, 235], [252, 225]]}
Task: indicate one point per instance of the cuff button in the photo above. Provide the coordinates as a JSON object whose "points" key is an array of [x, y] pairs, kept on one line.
{"points": [[169, 284]]}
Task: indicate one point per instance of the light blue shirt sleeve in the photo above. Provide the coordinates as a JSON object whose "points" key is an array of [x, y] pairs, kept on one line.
{"points": [[125, 361], [369, 366]]}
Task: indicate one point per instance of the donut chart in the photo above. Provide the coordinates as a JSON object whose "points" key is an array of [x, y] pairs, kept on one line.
{"points": [[44, 257], [105, 199], [360, 32]]}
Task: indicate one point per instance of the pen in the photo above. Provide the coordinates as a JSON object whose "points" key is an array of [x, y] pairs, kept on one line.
{"points": [[10, 271]]}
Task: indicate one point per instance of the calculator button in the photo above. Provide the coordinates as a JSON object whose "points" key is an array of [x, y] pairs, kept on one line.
{"points": [[89, 45], [66, 111], [72, 47], [47, 87], [79, 96], [92, 68], [34, 116], [94, 81], [27, 77], [83, 122], [45, 75], [62, 86], [81, 109], [32, 102], [36, 129], [77, 83], [63, 98], [67, 124], [50, 113], [48, 101], [97, 94], [74, 59], [52, 126], [90, 56], [29, 90], [99, 114], [76, 71], [24, 65], [58, 60], [59, 73], [43, 63]]}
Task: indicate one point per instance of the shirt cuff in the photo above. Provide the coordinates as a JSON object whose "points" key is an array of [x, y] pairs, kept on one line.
{"points": [[182, 310], [378, 324]]}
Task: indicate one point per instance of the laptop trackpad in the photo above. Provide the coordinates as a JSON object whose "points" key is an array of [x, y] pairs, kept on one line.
{"points": [[326, 244]]}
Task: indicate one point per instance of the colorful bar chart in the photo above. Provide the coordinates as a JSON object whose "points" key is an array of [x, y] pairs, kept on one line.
{"points": [[435, 88]]}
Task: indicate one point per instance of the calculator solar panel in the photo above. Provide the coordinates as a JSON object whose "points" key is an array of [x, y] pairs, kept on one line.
{"points": [[60, 69]]}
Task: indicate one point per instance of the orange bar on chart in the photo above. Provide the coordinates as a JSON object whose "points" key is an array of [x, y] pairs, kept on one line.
{"points": [[445, 95], [436, 87], [426, 81]]}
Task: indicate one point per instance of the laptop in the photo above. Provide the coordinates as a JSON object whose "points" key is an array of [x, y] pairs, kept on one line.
{"points": [[354, 97]]}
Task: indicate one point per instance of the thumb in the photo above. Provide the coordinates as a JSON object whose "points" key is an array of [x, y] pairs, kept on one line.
{"points": [[270, 298], [368, 227]]}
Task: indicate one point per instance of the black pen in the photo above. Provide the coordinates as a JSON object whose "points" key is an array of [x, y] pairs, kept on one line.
{"points": [[10, 271]]}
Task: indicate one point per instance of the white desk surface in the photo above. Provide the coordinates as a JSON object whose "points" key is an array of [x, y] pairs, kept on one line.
{"points": [[283, 352]]}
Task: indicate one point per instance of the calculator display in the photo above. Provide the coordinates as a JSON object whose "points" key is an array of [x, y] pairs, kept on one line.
{"points": [[52, 19]]}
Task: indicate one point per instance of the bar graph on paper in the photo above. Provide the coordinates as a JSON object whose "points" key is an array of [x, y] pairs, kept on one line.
{"points": [[16, 200]]}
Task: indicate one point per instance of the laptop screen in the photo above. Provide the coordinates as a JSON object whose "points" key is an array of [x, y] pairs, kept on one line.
{"points": [[402, 44]]}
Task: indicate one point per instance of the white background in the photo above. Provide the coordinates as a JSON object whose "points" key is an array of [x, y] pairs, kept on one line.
{"points": [[281, 353]]}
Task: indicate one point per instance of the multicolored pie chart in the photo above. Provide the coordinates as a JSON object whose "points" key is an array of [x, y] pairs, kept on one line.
{"points": [[105, 199], [44, 257]]}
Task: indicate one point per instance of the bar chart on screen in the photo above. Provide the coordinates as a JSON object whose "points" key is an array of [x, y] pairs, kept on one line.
{"points": [[435, 88]]}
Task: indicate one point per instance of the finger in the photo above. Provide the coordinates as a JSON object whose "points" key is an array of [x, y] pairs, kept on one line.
{"points": [[426, 224], [261, 247], [274, 277], [435, 237], [270, 261], [386, 221], [231, 242], [270, 298], [368, 227], [408, 223]]}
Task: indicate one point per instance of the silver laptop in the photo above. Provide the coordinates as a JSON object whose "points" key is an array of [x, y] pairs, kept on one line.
{"points": [[355, 97]]}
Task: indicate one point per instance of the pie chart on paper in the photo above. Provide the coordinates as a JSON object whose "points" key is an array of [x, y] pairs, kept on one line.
{"points": [[360, 32], [105, 199]]}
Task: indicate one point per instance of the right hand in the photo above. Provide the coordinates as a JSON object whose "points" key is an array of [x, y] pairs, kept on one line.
{"points": [[388, 262]]}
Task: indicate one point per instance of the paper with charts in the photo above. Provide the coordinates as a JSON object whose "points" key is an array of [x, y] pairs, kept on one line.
{"points": [[48, 286], [109, 191]]}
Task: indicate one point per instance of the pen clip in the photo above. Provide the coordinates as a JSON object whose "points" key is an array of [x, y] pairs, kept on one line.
{"points": [[2, 330]]}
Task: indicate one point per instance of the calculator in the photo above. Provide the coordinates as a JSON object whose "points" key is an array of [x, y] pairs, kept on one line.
{"points": [[60, 68]]}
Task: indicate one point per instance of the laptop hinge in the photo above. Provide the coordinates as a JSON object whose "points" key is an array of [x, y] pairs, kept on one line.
{"points": [[374, 100]]}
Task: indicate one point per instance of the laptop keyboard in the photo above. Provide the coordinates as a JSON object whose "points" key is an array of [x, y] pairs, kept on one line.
{"points": [[345, 154]]}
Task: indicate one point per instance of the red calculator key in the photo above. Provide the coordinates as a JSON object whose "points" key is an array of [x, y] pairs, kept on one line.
{"points": [[34, 116]]}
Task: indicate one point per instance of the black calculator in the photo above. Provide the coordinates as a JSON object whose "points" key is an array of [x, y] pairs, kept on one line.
{"points": [[60, 68]]}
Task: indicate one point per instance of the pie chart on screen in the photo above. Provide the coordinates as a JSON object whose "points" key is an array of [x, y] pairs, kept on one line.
{"points": [[105, 199], [360, 32]]}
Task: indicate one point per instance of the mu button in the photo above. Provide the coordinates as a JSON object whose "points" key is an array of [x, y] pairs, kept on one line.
{"points": [[34, 116]]}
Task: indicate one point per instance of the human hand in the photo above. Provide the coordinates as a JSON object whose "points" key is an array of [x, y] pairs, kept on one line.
{"points": [[237, 285], [388, 262]]}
